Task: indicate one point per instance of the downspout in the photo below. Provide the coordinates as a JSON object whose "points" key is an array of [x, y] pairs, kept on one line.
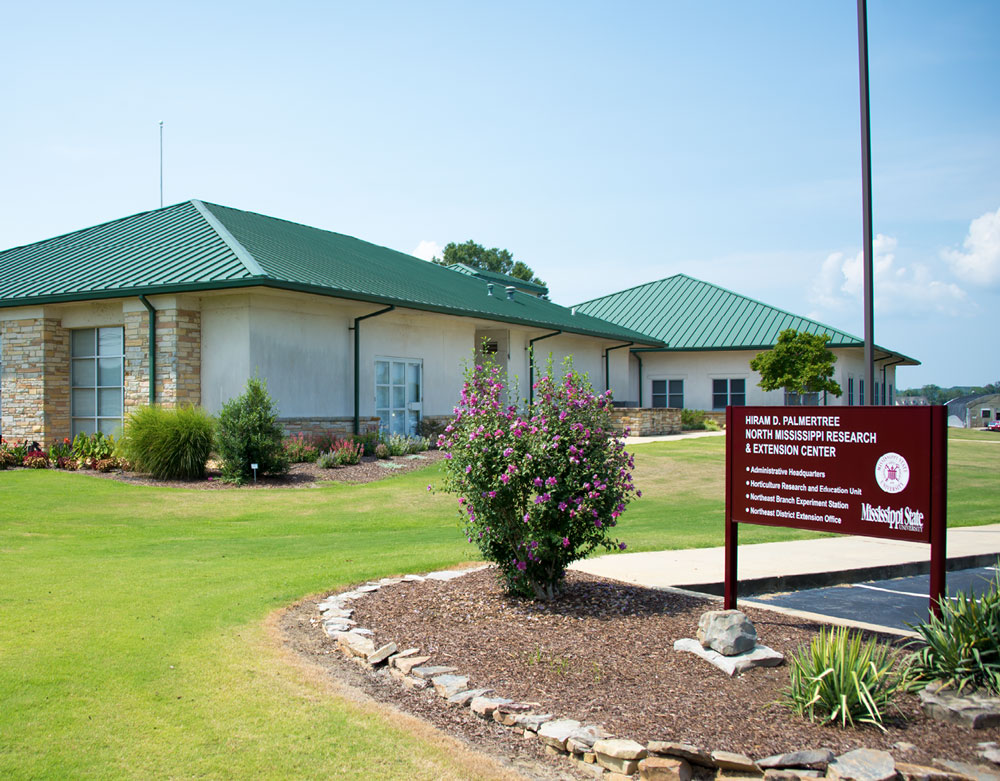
{"points": [[357, 364], [152, 348], [531, 364], [885, 394], [607, 369], [638, 357]]}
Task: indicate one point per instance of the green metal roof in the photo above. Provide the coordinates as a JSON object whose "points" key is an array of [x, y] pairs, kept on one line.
{"points": [[689, 314], [195, 246], [500, 279]]}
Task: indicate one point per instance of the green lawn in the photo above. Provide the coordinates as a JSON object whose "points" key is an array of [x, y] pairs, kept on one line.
{"points": [[133, 640]]}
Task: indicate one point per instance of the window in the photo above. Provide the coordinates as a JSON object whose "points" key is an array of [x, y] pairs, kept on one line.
{"points": [[850, 391], [398, 394], [891, 401], [96, 377], [668, 393], [800, 399], [861, 393], [985, 412], [728, 392]]}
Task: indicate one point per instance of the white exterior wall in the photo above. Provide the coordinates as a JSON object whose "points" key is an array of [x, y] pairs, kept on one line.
{"points": [[698, 369], [303, 346]]}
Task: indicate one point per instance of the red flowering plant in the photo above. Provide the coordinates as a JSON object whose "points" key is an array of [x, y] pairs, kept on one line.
{"points": [[538, 488]]}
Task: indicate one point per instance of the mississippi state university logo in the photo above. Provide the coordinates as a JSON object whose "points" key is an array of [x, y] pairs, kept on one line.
{"points": [[892, 473]]}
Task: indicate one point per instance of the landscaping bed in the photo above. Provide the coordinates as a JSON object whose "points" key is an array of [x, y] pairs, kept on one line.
{"points": [[299, 475], [603, 654]]}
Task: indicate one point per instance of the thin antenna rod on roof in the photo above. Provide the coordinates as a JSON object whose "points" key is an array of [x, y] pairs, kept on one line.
{"points": [[161, 163]]}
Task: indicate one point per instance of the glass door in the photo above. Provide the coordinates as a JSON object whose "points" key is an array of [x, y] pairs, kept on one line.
{"points": [[398, 394]]}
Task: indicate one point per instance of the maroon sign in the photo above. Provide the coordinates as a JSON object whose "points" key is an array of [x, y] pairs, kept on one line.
{"points": [[868, 471]]}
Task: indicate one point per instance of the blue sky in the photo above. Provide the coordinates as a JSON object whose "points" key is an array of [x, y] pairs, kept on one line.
{"points": [[606, 145]]}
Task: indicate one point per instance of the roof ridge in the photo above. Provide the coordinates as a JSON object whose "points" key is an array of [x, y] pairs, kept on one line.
{"points": [[634, 287], [241, 252]]}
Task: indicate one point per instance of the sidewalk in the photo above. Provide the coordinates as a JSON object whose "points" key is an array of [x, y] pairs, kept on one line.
{"points": [[786, 566], [674, 437]]}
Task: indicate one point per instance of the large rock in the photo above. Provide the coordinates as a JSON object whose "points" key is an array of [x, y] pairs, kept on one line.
{"points": [[970, 710], [484, 706], [923, 773], [556, 733], [619, 755], [760, 656], [532, 722], [355, 644], [729, 632], [582, 740], [430, 671], [815, 759], [863, 764], [407, 663], [969, 770], [467, 696], [449, 685], [727, 760], [664, 769], [692, 754], [380, 655]]}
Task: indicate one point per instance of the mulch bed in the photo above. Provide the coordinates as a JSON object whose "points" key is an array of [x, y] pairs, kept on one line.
{"points": [[603, 653], [299, 475]]}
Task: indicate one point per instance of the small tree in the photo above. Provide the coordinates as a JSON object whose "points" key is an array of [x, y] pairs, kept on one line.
{"points": [[800, 363], [540, 489], [249, 433]]}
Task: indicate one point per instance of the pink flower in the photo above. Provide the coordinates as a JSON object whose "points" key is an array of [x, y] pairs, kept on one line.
{"points": [[565, 542]]}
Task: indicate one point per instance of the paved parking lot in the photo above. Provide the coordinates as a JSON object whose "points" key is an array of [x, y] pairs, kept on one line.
{"points": [[893, 603]]}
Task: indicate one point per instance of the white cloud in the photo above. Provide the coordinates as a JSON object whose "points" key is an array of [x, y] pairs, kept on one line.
{"points": [[427, 250], [980, 262], [898, 289]]}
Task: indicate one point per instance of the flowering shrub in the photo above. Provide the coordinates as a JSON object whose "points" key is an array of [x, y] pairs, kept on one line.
{"points": [[61, 450], [300, 450], [539, 489]]}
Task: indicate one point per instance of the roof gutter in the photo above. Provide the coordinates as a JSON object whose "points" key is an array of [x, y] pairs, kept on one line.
{"points": [[357, 364], [607, 365], [531, 364], [152, 347]]}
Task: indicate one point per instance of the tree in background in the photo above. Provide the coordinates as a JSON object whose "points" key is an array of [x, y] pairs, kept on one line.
{"points": [[800, 363], [497, 260]]}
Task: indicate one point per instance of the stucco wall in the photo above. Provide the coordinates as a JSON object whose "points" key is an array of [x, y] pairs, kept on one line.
{"points": [[698, 369]]}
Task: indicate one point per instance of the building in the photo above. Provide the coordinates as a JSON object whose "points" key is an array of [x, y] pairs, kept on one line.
{"points": [[974, 410], [349, 335], [711, 334]]}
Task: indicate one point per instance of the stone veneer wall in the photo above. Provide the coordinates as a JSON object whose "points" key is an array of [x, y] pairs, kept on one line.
{"points": [[647, 421], [178, 358], [718, 417], [35, 392], [317, 426]]}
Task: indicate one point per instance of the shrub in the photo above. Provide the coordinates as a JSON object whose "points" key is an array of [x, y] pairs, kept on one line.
{"points": [[61, 450], [169, 444], [711, 425], [106, 464], [400, 445], [35, 460], [368, 441], [327, 460], [88, 448], [537, 490], [300, 450], [692, 420], [382, 450], [963, 645], [248, 433], [840, 678], [8, 458], [67, 462]]}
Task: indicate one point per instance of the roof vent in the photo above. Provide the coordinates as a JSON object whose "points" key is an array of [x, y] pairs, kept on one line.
{"points": [[572, 311], [510, 292], [489, 288]]}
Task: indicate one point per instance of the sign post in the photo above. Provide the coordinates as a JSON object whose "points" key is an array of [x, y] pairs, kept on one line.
{"points": [[867, 471]]}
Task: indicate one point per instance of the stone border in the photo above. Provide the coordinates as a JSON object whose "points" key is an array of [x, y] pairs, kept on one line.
{"points": [[593, 750]]}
